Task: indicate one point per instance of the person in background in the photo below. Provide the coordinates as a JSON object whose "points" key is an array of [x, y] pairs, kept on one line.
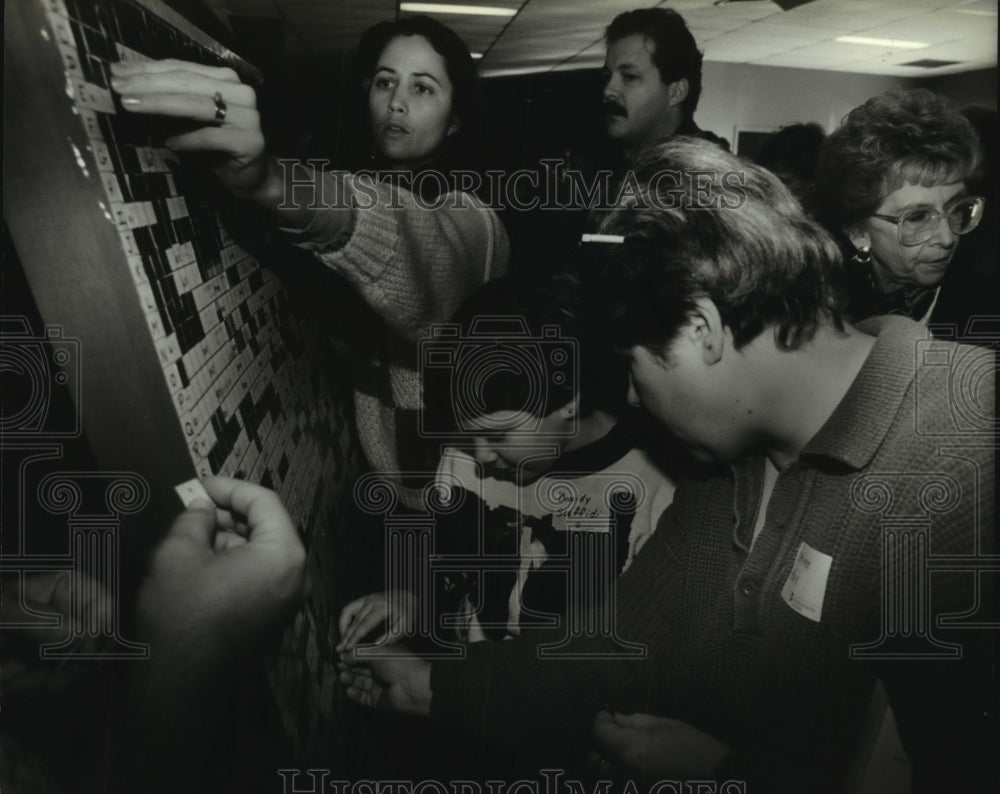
{"points": [[891, 184], [770, 597], [791, 154], [652, 73], [412, 246], [652, 85]]}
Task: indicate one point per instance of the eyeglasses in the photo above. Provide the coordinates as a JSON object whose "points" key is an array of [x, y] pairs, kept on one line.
{"points": [[919, 225]]}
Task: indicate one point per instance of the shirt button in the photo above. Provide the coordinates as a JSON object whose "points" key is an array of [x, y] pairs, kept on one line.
{"points": [[748, 587]]}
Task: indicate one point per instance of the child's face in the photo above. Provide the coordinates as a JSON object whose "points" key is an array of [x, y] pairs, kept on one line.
{"points": [[515, 445]]}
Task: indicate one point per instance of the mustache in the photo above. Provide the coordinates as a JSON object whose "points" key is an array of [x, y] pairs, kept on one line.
{"points": [[612, 108]]}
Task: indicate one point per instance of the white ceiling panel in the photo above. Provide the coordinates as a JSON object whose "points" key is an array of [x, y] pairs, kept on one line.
{"points": [[743, 54], [703, 36], [791, 33], [932, 28], [797, 59], [907, 71], [559, 34], [845, 53], [734, 48], [977, 7], [714, 21], [584, 37], [594, 50], [961, 56], [825, 14], [582, 63], [741, 12]]}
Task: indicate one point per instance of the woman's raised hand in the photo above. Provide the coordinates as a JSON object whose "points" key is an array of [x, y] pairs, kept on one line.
{"points": [[211, 96]]}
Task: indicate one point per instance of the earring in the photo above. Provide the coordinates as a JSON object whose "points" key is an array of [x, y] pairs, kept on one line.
{"points": [[862, 256]]}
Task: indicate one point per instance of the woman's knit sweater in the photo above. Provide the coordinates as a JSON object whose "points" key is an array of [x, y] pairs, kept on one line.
{"points": [[413, 261]]}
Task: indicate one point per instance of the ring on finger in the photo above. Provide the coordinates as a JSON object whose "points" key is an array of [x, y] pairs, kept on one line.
{"points": [[220, 108]]}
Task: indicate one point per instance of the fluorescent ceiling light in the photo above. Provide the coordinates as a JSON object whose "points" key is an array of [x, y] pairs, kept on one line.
{"points": [[476, 55], [487, 73], [895, 44], [441, 8]]}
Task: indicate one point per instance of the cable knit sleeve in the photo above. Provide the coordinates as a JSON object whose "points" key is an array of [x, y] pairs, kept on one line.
{"points": [[412, 259]]}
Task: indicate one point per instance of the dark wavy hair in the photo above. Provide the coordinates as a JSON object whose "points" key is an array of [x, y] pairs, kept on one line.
{"points": [[675, 53], [467, 98], [914, 136], [706, 224]]}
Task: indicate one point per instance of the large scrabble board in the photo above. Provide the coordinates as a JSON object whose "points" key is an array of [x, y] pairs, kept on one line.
{"points": [[193, 357]]}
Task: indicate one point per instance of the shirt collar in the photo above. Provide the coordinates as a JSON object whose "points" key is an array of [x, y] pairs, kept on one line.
{"points": [[599, 454], [860, 423], [687, 127]]}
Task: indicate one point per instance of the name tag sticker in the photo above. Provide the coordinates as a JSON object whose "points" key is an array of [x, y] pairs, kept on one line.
{"points": [[806, 584]]}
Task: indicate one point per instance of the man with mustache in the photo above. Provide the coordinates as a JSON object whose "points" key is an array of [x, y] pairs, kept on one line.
{"points": [[652, 74], [652, 83]]}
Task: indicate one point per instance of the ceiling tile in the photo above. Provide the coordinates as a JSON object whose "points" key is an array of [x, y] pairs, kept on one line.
{"points": [[560, 34], [737, 11], [930, 28]]}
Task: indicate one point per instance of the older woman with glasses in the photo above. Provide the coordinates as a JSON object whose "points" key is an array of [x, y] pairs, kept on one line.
{"points": [[891, 186]]}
